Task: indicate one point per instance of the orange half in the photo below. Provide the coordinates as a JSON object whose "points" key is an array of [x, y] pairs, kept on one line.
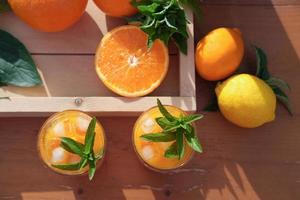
{"points": [[126, 65]]}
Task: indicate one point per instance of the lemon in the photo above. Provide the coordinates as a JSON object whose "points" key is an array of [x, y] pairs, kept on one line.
{"points": [[246, 100]]}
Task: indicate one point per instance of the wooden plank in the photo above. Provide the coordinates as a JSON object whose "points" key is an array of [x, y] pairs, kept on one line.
{"points": [[69, 79], [237, 164], [260, 163], [187, 63], [100, 106], [73, 75]]}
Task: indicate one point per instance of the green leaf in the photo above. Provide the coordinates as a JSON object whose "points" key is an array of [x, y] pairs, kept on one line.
{"points": [[148, 9], [180, 143], [164, 123], [92, 169], [136, 19], [100, 155], [262, 64], [191, 118], [276, 82], [16, 65], [71, 145], [181, 42], [162, 19], [83, 163], [70, 167], [213, 105], [164, 112], [192, 140], [159, 137], [4, 6], [173, 128], [2, 84], [169, 24], [171, 152], [90, 137], [283, 98], [194, 6], [188, 129]]}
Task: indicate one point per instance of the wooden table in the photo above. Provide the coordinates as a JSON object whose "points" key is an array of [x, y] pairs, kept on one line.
{"points": [[262, 163]]}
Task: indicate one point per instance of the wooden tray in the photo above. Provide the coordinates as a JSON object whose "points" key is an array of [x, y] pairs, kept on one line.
{"points": [[66, 63]]}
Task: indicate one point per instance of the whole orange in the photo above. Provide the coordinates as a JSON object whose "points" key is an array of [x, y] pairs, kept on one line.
{"points": [[116, 8], [219, 53], [49, 15]]}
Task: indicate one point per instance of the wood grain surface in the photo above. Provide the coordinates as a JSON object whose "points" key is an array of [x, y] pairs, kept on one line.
{"points": [[262, 163]]}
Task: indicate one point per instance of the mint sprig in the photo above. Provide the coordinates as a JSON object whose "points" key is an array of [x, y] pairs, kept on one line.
{"points": [[177, 129], [278, 86], [4, 6], [212, 105], [162, 19], [85, 151], [194, 6]]}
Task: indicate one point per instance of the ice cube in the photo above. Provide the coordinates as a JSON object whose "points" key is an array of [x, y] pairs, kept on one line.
{"points": [[59, 129], [148, 125], [58, 154], [83, 123], [147, 152]]}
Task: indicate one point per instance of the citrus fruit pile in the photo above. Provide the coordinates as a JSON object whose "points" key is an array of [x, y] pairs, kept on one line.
{"points": [[246, 100], [124, 62], [133, 61]]}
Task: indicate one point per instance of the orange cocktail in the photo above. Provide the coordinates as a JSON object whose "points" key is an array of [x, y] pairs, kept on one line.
{"points": [[155, 151], [72, 125]]}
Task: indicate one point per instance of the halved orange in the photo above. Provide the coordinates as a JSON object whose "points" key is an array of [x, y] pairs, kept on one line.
{"points": [[127, 66]]}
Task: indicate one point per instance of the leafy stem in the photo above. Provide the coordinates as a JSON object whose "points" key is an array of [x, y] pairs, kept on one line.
{"points": [[17, 67], [278, 86], [177, 129], [194, 6], [4, 6], [164, 20], [85, 151]]}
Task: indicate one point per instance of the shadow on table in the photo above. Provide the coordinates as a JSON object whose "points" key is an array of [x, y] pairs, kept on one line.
{"points": [[260, 163], [238, 163]]}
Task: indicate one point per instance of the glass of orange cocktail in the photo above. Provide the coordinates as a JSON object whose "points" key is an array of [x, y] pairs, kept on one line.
{"points": [[164, 137], [72, 143]]}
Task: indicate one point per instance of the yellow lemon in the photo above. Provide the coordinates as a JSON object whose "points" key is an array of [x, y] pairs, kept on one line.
{"points": [[246, 100]]}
